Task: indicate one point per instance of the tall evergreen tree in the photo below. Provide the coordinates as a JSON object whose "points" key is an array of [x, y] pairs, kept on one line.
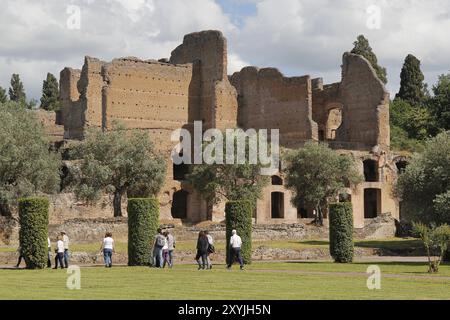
{"points": [[3, 96], [440, 103], [16, 91], [363, 48], [50, 94], [412, 87]]}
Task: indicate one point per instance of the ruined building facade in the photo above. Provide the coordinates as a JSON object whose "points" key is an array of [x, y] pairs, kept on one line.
{"points": [[193, 85]]}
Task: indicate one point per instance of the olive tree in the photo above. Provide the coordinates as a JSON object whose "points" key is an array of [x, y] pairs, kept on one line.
{"points": [[316, 175], [119, 162], [28, 166]]}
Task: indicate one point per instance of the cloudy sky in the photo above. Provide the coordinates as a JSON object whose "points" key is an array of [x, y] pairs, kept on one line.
{"points": [[297, 36]]}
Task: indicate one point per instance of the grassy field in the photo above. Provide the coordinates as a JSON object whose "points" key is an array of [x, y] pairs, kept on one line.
{"points": [[287, 281]]}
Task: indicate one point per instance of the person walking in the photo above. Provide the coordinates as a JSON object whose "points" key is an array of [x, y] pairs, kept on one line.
{"points": [[171, 244], [59, 258], [160, 242], [108, 249], [66, 248], [49, 255], [202, 251], [19, 261], [165, 251], [235, 250], [211, 248]]}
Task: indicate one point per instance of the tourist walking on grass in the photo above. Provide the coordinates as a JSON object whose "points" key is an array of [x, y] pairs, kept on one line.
{"points": [[19, 261], [202, 251], [160, 242], [235, 250], [165, 251], [66, 241], [211, 248], [59, 258], [108, 249], [49, 255], [171, 244]]}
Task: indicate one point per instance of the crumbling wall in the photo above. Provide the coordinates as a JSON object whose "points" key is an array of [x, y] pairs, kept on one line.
{"points": [[268, 100], [217, 99], [70, 115]]}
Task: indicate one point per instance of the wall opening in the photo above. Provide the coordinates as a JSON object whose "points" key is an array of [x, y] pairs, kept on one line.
{"points": [[371, 171], [401, 166], [321, 135], [372, 203], [334, 121], [345, 197], [180, 171], [277, 181], [277, 205], [302, 213], [179, 204]]}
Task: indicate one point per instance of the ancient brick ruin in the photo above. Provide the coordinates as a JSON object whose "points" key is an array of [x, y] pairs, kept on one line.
{"points": [[193, 85]]}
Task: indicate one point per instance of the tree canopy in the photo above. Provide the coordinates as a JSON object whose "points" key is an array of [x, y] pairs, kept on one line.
{"points": [[118, 162], [50, 94], [363, 48], [17, 91], [424, 187], [316, 175], [3, 96], [440, 103], [412, 87], [27, 166]]}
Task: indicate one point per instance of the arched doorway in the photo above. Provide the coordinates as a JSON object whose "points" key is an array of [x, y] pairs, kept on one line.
{"points": [[334, 120], [179, 204]]}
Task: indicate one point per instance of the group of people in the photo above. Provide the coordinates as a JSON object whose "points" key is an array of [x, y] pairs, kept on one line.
{"points": [[62, 253], [163, 249]]}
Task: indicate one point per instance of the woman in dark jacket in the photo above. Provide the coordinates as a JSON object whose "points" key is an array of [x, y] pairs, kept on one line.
{"points": [[202, 250]]}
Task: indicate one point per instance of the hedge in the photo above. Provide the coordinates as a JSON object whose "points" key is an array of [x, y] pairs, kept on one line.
{"points": [[143, 223], [238, 215], [33, 234], [341, 232]]}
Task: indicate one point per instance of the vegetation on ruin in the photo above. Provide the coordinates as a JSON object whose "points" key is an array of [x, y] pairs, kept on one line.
{"points": [[341, 232], [363, 48], [143, 223], [279, 281], [232, 182], [120, 162], [317, 175], [33, 218], [50, 94], [238, 216], [27, 166], [424, 187]]}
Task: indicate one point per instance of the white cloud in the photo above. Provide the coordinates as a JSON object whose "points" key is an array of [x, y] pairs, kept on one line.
{"points": [[298, 36]]}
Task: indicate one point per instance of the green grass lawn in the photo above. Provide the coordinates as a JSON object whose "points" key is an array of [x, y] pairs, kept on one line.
{"points": [[287, 281]]}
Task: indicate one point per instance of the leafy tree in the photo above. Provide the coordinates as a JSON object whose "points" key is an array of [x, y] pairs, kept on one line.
{"points": [[363, 48], [400, 141], [117, 162], [50, 94], [436, 241], [316, 174], [425, 184], [233, 182], [412, 87], [27, 167], [16, 91], [440, 103], [3, 96], [414, 120]]}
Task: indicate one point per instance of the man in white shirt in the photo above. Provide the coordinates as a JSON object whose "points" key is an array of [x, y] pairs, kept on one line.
{"points": [[66, 248], [59, 253], [171, 246], [235, 250]]}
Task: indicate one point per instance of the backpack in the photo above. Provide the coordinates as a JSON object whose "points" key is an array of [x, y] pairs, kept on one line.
{"points": [[160, 241], [211, 249]]}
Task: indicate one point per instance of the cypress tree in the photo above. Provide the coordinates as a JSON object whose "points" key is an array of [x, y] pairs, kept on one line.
{"points": [[50, 94], [3, 96], [363, 48], [412, 87], [16, 91]]}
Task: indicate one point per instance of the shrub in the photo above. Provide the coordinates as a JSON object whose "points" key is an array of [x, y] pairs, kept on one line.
{"points": [[143, 223], [33, 234], [238, 215], [341, 232]]}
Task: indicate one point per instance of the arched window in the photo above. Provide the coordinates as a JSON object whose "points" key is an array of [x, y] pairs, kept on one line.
{"points": [[277, 181], [371, 171]]}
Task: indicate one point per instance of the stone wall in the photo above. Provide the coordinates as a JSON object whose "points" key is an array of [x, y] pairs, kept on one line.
{"points": [[268, 100]]}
